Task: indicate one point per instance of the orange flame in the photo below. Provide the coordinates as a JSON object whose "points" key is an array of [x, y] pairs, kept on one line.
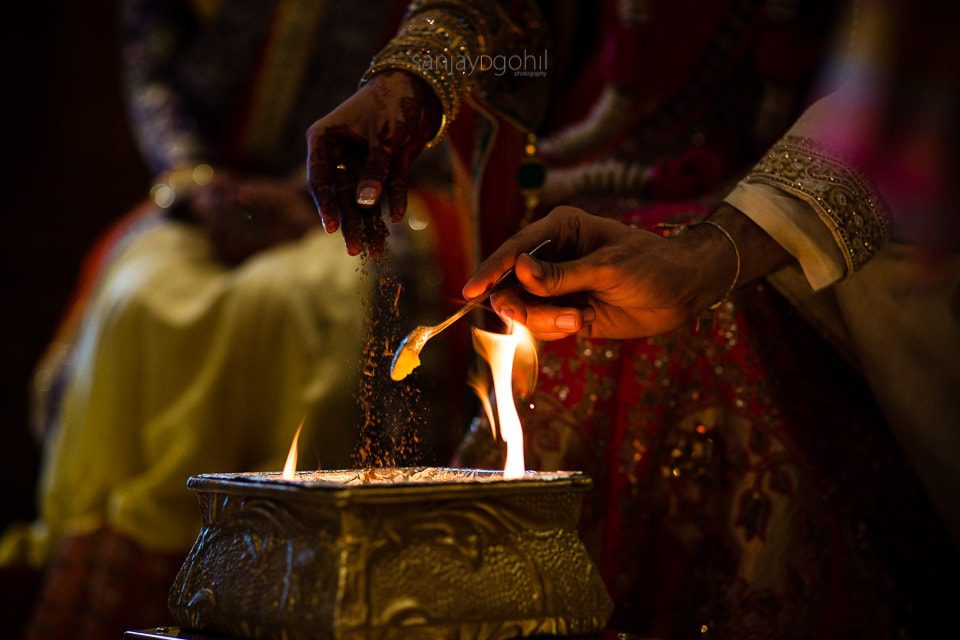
{"points": [[500, 351], [290, 467], [482, 389], [526, 366]]}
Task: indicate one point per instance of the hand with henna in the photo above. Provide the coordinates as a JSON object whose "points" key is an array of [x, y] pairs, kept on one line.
{"points": [[245, 216], [361, 150], [607, 280]]}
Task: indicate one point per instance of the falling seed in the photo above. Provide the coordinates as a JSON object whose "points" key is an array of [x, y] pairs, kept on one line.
{"points": [[396, 298]]}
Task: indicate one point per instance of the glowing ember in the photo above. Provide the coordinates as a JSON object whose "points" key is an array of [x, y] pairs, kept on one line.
{"points": [[290, 467], [390, 476], [500, 350]]}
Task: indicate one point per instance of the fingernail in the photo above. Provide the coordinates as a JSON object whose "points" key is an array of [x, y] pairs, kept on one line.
{"points": [[535, 267], [566, 321], [368, 196]]}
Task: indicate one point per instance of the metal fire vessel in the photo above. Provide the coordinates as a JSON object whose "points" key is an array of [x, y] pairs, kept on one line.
{"points": [[390, 553]]}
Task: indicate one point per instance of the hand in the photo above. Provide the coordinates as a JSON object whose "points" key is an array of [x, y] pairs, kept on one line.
{"points": [[609, 280], [244, 217], [363, 148]]}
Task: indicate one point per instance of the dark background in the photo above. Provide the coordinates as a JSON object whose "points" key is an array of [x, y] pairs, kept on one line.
{"points": [[71, 168]]}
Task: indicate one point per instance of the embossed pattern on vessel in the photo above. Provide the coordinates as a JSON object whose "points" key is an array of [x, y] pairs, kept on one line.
{"points": [[392, 553]]}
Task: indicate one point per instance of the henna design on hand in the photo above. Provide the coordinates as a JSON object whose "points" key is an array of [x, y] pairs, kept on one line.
{"points": [[347, 198]]}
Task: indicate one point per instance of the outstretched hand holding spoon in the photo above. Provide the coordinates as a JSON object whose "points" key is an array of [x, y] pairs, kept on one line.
{"points": [[407, 356], [609, 280]]}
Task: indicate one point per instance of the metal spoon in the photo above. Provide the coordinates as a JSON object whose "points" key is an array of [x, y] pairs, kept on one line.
{"points": [[407, 357]]}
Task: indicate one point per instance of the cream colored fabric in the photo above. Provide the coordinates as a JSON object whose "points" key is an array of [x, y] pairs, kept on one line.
{"points": [[897, 319], [796, 227], [185, 367], [902, 314]]}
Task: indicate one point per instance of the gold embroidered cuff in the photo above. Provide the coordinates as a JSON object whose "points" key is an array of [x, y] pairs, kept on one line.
{"points": [[843, 198]]}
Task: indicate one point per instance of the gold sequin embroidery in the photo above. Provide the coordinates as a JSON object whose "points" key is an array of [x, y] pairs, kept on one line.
{"points": [[843, 198]]}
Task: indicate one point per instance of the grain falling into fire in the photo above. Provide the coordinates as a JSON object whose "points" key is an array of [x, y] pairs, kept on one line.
{"points": [[500, 351], [290, 467]]}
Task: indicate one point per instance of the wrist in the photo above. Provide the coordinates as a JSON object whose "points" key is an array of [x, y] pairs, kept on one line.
{"points": [[714, 264], [725, 251], [423, 89]]}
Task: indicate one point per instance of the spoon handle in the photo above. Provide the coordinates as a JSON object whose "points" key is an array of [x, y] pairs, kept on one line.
{"points": [[473, 304], [459, 313]]}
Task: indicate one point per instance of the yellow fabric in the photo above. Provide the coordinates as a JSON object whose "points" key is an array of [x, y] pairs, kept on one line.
{"points": [[185, 367]]}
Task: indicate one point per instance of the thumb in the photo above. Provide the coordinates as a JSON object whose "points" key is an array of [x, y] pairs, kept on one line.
{"points": [[551, 279]]}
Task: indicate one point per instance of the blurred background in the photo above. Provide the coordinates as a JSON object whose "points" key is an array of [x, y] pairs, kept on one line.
{"points": [[71, 167]]}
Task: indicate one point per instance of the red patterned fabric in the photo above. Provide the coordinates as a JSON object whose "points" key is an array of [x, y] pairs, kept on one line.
{"points": [[745, 483], [99, 585]]}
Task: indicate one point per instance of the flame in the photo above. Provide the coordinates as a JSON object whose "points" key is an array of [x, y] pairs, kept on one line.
{"points": [[526, 365], [482, 389], [500, 351], [290, 467]]}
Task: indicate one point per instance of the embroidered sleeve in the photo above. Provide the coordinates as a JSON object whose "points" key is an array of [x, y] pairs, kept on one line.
{"points": [[472, 49], [153, 38], [844, 199]]}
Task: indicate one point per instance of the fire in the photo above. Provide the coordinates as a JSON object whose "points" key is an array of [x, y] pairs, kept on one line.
{"points": [[290, 467], [509, 357], [482, 389]]}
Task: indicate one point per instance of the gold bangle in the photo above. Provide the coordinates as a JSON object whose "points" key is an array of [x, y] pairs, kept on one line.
{"points": [[736, 250]]}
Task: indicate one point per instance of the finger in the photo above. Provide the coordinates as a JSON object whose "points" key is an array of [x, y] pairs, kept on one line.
{"points": [[374, 233], [398, 199], [550, 337], [548, 228], [326, 203], [509, 304], [551, 279], [350, 220], [539, 318], [544, 319], [501, 261], [372, 177], [321, 183]]}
